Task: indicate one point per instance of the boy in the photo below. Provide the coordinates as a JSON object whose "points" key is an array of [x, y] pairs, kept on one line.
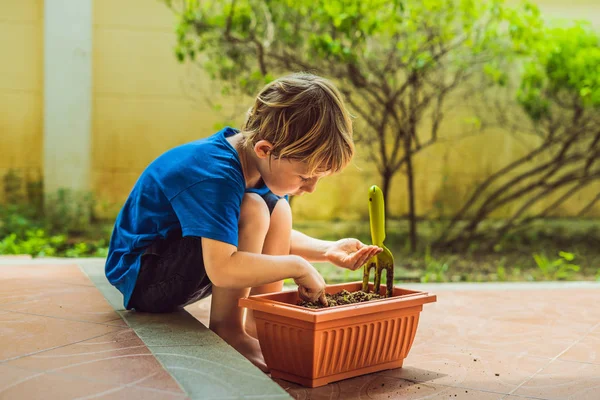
{"points": [[211, 216]]}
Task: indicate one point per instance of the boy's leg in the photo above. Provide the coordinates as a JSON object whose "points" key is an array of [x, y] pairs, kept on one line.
{"points": [[171, 275], [226, 318], [277, 242]]}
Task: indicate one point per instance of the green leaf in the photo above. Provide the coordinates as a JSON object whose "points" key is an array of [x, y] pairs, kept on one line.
{"points": [[540, 260], [567, 256]]}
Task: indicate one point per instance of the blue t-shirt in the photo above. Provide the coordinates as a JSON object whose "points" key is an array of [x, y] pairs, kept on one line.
{"points": [[196, 188]]}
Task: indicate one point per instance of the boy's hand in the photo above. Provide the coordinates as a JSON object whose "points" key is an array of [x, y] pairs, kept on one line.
{"points": [[311, 285], [351, 253]]}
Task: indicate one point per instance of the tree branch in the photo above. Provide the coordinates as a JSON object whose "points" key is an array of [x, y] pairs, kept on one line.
{"points": [[491, 179], [583, 181], [589, 206]]}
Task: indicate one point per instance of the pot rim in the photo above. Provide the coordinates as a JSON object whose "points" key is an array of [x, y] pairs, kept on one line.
{"points": [[405, 298]]}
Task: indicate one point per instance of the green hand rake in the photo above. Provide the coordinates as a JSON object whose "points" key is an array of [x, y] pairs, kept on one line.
{"points": [[383, 260]]}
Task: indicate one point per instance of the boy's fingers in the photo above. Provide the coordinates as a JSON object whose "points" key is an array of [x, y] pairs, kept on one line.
{"points": [[362, 256], [356, 266], [302, 293], [362, 261], [375, 252], [306, 295], [371, 254], [366, 257], [368, 252], [359, 255], [358, 261], [311, 296], [323, 299]]}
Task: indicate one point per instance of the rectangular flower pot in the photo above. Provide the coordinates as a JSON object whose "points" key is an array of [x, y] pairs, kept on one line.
{"points": [[314, 347]]}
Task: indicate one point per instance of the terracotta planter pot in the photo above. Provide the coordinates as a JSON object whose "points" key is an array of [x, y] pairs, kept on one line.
{"points": [[316, 347]]}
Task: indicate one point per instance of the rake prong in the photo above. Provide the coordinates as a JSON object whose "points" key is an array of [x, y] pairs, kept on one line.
{"points": [[389, 281], [366, 272], [377, 279]]}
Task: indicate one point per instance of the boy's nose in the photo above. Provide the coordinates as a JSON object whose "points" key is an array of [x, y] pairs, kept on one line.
{"points": [[310, 187]]}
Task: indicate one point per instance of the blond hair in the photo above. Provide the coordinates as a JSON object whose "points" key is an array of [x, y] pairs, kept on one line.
{"points": [[303, 116]]}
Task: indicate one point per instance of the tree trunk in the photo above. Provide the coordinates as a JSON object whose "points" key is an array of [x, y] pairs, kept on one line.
{"points": [[412, 217], [387, 182]]}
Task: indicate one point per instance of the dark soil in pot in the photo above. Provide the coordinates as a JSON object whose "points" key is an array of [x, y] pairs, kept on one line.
{"points": [[342, 298]]}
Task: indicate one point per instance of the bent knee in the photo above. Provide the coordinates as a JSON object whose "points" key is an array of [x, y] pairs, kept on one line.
{"points": [[254, 212], [281, 217]]}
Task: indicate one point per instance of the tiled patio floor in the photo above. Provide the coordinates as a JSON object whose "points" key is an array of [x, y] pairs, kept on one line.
{"points": [[60, 339]]}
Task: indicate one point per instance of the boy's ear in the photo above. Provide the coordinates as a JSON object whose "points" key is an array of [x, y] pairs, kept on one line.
{"points": [[263, 148]]}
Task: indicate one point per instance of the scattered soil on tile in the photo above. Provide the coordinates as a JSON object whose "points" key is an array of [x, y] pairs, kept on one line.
{"points": [[342, 298]]}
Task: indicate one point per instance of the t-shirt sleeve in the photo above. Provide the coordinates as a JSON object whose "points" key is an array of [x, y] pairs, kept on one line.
{"points": [[209, 209]]}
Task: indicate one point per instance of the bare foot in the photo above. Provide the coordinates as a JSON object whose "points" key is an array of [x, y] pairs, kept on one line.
{"points": [[246, 346]]}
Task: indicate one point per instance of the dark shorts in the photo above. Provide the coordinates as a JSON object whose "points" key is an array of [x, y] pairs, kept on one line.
{"points": [[172, 273]]}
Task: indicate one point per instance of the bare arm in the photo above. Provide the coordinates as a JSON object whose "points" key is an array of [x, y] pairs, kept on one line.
{"points": [[309, 248], [226, 267], [346, 253]]}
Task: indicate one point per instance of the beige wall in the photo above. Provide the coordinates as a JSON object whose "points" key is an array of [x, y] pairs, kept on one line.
{"points": [[21, 65], [140, 109], [144, 102]]}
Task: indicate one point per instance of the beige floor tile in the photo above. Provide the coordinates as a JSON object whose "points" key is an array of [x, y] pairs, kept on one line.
{"points": [[161, 380], [503, 336], [14, 291], [22, 334], [588, 350], [19, 283], [131, 393], [56, 291], [474, 369], [118, 321], [564, 379], [60, 273], [119, 358], [546, 307], [380, 387], [10, 376], [16, 383], [81, 303], [33, 386]]}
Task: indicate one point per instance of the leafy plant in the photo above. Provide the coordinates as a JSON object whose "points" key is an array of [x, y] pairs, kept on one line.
{"points": [[35, 242], [558, 269], [13, 187], [28, 226], [69, 211], [501, 273], [18, 219], [77, 250], [435, 270], [101, 249], [38, 243]]}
